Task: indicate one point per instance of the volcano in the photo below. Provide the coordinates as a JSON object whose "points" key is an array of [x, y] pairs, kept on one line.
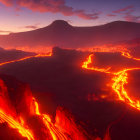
{"points": [[61, 33]]}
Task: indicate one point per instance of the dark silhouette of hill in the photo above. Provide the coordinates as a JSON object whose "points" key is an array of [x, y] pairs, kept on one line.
{"points": [[60, 33], [9, 55]]}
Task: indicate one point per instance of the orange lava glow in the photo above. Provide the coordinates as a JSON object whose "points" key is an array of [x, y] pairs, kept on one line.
{"points": [[55, 131], [24, 130], [89, 61], [56, 134], [128, 55], [38, 50], [119, 80], [118, 86], [16, 125], [28, 57]]}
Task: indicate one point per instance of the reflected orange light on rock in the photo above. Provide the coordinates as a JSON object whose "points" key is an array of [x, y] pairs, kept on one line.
{"points": [[56, 134], [25, 132]]}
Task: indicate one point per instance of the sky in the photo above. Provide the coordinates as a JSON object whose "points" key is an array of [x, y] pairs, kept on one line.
{"points": [[25, 15]]}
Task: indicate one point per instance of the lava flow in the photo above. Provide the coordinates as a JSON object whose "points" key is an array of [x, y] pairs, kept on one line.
{"points": [[18, 123], [128, 55], [28, 57], [119, 78], [25, 132], [58, 130], [119, 81], [50, 130], [54, 131], [89, 61], [4, 117]]}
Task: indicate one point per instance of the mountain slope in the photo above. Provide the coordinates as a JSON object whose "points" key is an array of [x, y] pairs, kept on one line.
{"points": [[60, 33]]}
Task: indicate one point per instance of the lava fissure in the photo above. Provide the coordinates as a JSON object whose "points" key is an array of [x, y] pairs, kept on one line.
{"points": [[119, 78], [28, 57]]}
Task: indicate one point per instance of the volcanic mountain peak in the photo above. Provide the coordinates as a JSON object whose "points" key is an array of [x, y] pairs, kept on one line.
{"points": [[61, 33], [60, 24]]}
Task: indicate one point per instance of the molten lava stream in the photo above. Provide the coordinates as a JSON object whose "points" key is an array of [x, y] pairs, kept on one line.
{"points": [[89, 61], [16, 125], [20, 126], [119, 78], [128, 55], [28, 57], [118, 86], [56, 134]]}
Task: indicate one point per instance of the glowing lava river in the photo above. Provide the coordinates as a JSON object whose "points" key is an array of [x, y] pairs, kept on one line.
{"points": [[119, 78], [54, 131], [60, 130], [18, 123]]}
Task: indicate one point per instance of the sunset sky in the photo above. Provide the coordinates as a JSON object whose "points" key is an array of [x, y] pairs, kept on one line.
{"points": [[23, 15]]}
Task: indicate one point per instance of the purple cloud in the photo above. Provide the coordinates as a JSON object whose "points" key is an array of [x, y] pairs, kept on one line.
{"points": [[125, 9], [53, 6], [132, 18], [36, 26], [127, 13]]}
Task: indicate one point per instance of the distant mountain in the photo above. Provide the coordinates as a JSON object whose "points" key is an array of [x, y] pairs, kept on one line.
{"points": [[60, 33]]}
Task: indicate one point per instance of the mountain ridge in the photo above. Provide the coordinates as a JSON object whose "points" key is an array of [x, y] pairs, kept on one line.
{"points": [[61, 33]]}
